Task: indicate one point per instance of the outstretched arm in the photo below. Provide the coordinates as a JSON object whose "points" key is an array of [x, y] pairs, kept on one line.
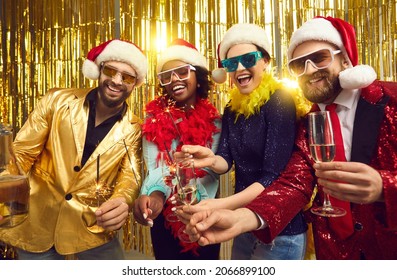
{"points": [[201, 157], [231, 202], [215, 226]]}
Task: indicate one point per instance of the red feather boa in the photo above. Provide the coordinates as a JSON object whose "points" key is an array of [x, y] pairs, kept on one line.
{"points": [[195, 126], [166, 122]]}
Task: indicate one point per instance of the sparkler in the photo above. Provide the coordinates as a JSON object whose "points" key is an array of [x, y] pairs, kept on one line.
{"points": [[129, 159], [97, 168], [97, 180], [173, 122], [167, 110]]}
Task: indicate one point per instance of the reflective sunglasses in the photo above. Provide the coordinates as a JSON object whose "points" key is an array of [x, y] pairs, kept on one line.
{"points": [[181, 72], [112, 72], [248, 60], [319, 59]]}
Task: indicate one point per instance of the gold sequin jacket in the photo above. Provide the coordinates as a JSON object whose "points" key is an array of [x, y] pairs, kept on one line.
{"points": [[49, 148]]}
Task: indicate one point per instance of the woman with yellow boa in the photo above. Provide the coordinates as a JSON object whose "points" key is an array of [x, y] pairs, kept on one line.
{"points": [[257, 138]]}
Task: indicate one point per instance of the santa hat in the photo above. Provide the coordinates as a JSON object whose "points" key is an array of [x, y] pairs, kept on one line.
{"points": [[242, 33], [115, 50], [341, 34], [183, 51]]}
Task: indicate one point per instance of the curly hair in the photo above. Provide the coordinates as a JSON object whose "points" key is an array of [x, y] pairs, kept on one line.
{"points": [[202, 76]]}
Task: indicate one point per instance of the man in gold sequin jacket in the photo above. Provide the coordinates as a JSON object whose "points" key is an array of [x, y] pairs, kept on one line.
{"points": [[73, 139]]}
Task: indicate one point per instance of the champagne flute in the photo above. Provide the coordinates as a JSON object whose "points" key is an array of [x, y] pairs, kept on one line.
{"points": [[322, 149], [168, 172], [186, 189]]}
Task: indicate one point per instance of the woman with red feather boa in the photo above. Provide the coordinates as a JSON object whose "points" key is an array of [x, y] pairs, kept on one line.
{"points": [[181, 114]]}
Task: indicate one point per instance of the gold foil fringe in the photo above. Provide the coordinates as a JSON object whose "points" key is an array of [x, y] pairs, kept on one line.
{"points": [[44, 43]]}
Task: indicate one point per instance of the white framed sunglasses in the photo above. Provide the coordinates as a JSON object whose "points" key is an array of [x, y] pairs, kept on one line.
{"points": [[319, 59], [181, 72]]}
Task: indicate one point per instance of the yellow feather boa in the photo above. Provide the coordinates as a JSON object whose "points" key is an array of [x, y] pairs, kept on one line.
{"points": [[248, 105]]}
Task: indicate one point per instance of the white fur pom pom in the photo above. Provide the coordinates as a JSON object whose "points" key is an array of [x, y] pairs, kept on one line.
{"points": [[357, 77], [219, 75], [90, 70]]}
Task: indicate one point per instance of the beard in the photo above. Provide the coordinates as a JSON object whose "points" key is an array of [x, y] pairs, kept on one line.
{"points": [[329, 91], [112, 102]]}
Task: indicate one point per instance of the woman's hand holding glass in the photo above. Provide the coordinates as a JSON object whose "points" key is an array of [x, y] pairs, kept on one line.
{"points": [[198, 155], [184, 212]]}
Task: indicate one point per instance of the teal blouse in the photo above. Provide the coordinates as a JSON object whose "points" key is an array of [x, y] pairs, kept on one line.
{"points": [[207, 186]]}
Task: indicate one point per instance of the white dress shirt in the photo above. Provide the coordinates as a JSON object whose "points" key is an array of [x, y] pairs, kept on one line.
{"points": [[347, 102]]}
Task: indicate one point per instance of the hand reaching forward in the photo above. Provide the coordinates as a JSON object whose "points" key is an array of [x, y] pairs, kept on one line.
{"points": [[215, 226], [112, 214], [201, 156], [351, 181], [185, 212]]}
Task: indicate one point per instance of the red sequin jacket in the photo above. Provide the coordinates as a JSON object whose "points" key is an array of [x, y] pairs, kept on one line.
{"points": [[374, 143]]}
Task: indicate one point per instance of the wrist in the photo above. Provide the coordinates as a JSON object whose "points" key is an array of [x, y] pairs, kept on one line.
{"points": [[159, 196], [224, 203], [247, 220]]}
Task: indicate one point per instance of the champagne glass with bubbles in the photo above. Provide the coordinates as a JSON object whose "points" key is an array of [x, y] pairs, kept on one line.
{"points": [[186, 190], [322, 149], [168, 170]]}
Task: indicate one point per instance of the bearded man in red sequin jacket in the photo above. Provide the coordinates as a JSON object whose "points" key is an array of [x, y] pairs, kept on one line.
{"points": [[323, 55], [370, 183]]}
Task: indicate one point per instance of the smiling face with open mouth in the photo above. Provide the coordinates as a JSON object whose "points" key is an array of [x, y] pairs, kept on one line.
{"points": [[116, 83], [182, 88], [246, 79]]}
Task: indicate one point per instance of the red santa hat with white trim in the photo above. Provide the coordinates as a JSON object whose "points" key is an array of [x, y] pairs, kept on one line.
{"points": [[241, 33], [340, 33], [115, 50], [183, 51]]}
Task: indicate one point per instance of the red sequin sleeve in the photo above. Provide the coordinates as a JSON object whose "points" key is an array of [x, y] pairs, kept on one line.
{"points": [[386, 156], [390, 196]]}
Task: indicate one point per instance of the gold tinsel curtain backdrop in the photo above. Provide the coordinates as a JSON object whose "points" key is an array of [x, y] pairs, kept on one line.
{"points": [[44, 43]]}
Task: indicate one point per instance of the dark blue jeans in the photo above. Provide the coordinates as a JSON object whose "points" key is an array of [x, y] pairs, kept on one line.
{"points": [[285, 247]]}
